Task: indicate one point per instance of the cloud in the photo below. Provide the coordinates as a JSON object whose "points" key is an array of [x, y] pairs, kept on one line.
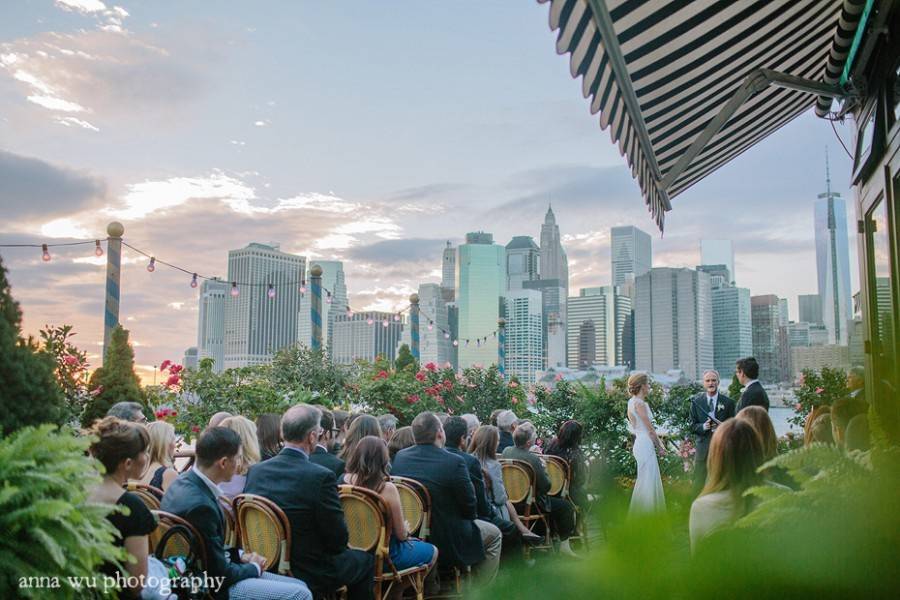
{"points": [[142, 199], [73, 122], [409, 250], [32, 188], [82, 6]]}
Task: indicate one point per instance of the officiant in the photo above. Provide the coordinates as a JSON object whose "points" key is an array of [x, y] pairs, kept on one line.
{"points": [[709, 409]]}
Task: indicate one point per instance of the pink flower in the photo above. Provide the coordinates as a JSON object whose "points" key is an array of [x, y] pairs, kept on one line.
{"points": [[798, 407], [173, 380], [558, 377], [420, 376], [165, 365], [195, 428], [412, 398], [448, 385], [176, 369], [159, 414], [70, 360], [381, 375], [513, 384], [515, 400], [441, 401], [431, 367], [802, 379], [820, 390], [96, 390]]}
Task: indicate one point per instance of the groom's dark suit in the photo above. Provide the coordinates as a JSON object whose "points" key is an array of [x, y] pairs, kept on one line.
{"points": [[700, 409]]}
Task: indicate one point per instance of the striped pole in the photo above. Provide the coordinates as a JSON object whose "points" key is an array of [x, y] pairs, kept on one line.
{"points": [[501, 347], [114, 230], [315, 310], [414, 325]]}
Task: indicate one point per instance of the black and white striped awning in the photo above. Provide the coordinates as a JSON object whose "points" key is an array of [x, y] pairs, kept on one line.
{"points": [[660, 71]]}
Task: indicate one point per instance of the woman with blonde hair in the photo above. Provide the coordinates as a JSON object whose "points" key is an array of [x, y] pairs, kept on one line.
{"points": [[735, 453], [250, 455], [161, 472], [811, 418], [647, 496]]}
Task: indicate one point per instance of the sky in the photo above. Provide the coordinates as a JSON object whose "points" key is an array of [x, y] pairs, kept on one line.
{"points": [[355, 131]]}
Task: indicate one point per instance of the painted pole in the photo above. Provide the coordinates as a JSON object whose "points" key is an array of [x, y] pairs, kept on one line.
{"points": [[114, 230], [501, 347], [414, 324], [315, 310]]}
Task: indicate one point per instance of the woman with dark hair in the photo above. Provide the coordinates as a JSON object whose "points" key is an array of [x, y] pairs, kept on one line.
{"points": [[402, 438], [367, 466], [122, 447], [361, 426], [567, 445], [735, 453], [268, 433]]}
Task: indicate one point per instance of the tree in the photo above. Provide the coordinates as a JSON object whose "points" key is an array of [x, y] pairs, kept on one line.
{"points": [[29, 394], [71, 368], [734, 390], [404, 358], [116, 380]]}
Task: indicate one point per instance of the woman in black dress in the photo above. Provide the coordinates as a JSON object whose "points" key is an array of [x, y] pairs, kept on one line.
{"points": [[121, 448]]}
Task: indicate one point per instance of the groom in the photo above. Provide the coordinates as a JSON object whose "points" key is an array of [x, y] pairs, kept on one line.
{"points": [[708, 409]]}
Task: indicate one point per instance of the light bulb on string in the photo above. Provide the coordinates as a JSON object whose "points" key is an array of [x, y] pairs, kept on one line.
{"points": [[467, 342], [456, 342], [45, 253], [303, 286], [385, 323], [430, 325], [151, 266], [194, 280], [349, 314], [370, 321], [98, 249], [271, 292], [446, 336], [397, 317], [328, 298], [234, 289]]}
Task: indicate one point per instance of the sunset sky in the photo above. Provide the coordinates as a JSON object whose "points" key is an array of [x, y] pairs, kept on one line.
{"points": [[366, 132]]}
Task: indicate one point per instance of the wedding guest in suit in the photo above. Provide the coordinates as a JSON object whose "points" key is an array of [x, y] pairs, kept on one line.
{"points": [[360, 427], [161, 472], [388, 424], [402, 438], [268, 434], [708, 409], [753, 394], [195, 498], [857, 436], [562, 514], [249, 456], [307, 493], [735, 453], [506, 423], [473, 423], [462, 539], [322, 454], [494, 414], [842, 411]]}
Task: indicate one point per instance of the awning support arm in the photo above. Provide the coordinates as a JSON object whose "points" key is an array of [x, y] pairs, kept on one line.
{"points": [[755, 82]]}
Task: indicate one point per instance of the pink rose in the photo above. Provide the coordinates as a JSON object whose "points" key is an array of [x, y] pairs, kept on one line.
{"points": [[420, 376], [431, 367], [515, 400], [558, 377], [70, 360], [195, 428], [820, 390], [173, 380], [412, 398], [513, 384], [165, 365], [175, 369]]}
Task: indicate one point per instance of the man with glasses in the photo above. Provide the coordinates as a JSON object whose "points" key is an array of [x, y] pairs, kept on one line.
{"points": [[307, 493], [708, 409], [322, 454]]}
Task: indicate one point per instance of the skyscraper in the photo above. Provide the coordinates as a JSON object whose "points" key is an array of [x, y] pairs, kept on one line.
{"points": [[524, 342], [718, 252], [632, 253], [211, 323], [480, 284], [334, 301], [765, 315], [257, 325], [365, 336], [810, 308], [784, 315], [732, 329], [554, 263], [522, 261], [597, 319], [673, 321], [833, 262], [554, 316], [448, 273]]}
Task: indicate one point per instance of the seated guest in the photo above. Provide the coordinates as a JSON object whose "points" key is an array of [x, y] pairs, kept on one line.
{"points": [[402, 438], [567, 445], [759, 419], [562, 514], [494, 414], [388, 424], [735, 452], [249, 456], [322, 454], [857, 434], [842, 411], [216, 419], [815, 413], [161, 472], [442, 417], [308, 495], [268, 434], [472, 424], [127, 411], [367, 467], [462, 539], [483, 447], [341, 423], [121, 448], [361, 426], [195, 498], [506, 423], [821, 430]]}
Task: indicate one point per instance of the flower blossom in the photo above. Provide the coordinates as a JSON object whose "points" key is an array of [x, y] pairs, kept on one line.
{"points": [[420, 376], [430, 367], [165, 365]]}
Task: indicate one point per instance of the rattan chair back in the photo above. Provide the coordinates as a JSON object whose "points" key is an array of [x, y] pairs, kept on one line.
{"points": [[149, 495], [367, 518], [558, 472], [518, 479], [415, 501], [263, 528], [176, 545]]}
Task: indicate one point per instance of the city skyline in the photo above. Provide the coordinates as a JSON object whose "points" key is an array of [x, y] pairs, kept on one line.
{"points": [[226, 170]]}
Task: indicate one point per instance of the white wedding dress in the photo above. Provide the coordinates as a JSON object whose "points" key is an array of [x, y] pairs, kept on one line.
{"points": [[648, 491]]}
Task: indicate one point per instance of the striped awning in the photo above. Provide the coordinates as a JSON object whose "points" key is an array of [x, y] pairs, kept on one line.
{"points": [[659, 71]]}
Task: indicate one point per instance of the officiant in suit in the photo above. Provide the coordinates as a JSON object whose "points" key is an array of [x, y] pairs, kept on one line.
{"points": [[708, 409]]}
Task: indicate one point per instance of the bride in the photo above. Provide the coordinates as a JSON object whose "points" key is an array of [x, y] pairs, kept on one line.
{"points": [[648, 492]]}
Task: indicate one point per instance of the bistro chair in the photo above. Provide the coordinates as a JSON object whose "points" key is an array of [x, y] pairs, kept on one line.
{"points": [[519, 481], [149, 495], [416, 504], [179, 544], [263, 528], [560, 473], [369, 525]]}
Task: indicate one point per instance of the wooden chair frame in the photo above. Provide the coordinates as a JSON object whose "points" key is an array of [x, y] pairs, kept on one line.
{"points": [[231, 529], [245, 503], [415, 576], [530, 514], [149, 495], [422, 527], [563, 492], [165, 520]]}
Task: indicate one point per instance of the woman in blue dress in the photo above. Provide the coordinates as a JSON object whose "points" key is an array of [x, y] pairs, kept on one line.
{"points": [[367, 466]]}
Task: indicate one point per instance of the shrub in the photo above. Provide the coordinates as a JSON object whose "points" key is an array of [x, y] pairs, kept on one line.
{"points": [[116, 380]]}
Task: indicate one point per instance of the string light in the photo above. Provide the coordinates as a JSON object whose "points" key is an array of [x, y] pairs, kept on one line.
{"points": [[430, 325], [45, 253], [271, 292], [151, 266], [349, 314], [98, 249], [397, 317], [385, 323], [194, 281], [446, 335], [328, 297], [370, 321], [234, 289], [456, 342], [302, 286]]}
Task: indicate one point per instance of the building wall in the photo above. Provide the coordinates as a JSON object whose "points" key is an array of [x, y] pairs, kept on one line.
{"points": [[524, 343], [732, 331], [765, 317], [817, 357], [480, 284], [364, 336], [631, 253], [833, 265], [211, 323]]}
